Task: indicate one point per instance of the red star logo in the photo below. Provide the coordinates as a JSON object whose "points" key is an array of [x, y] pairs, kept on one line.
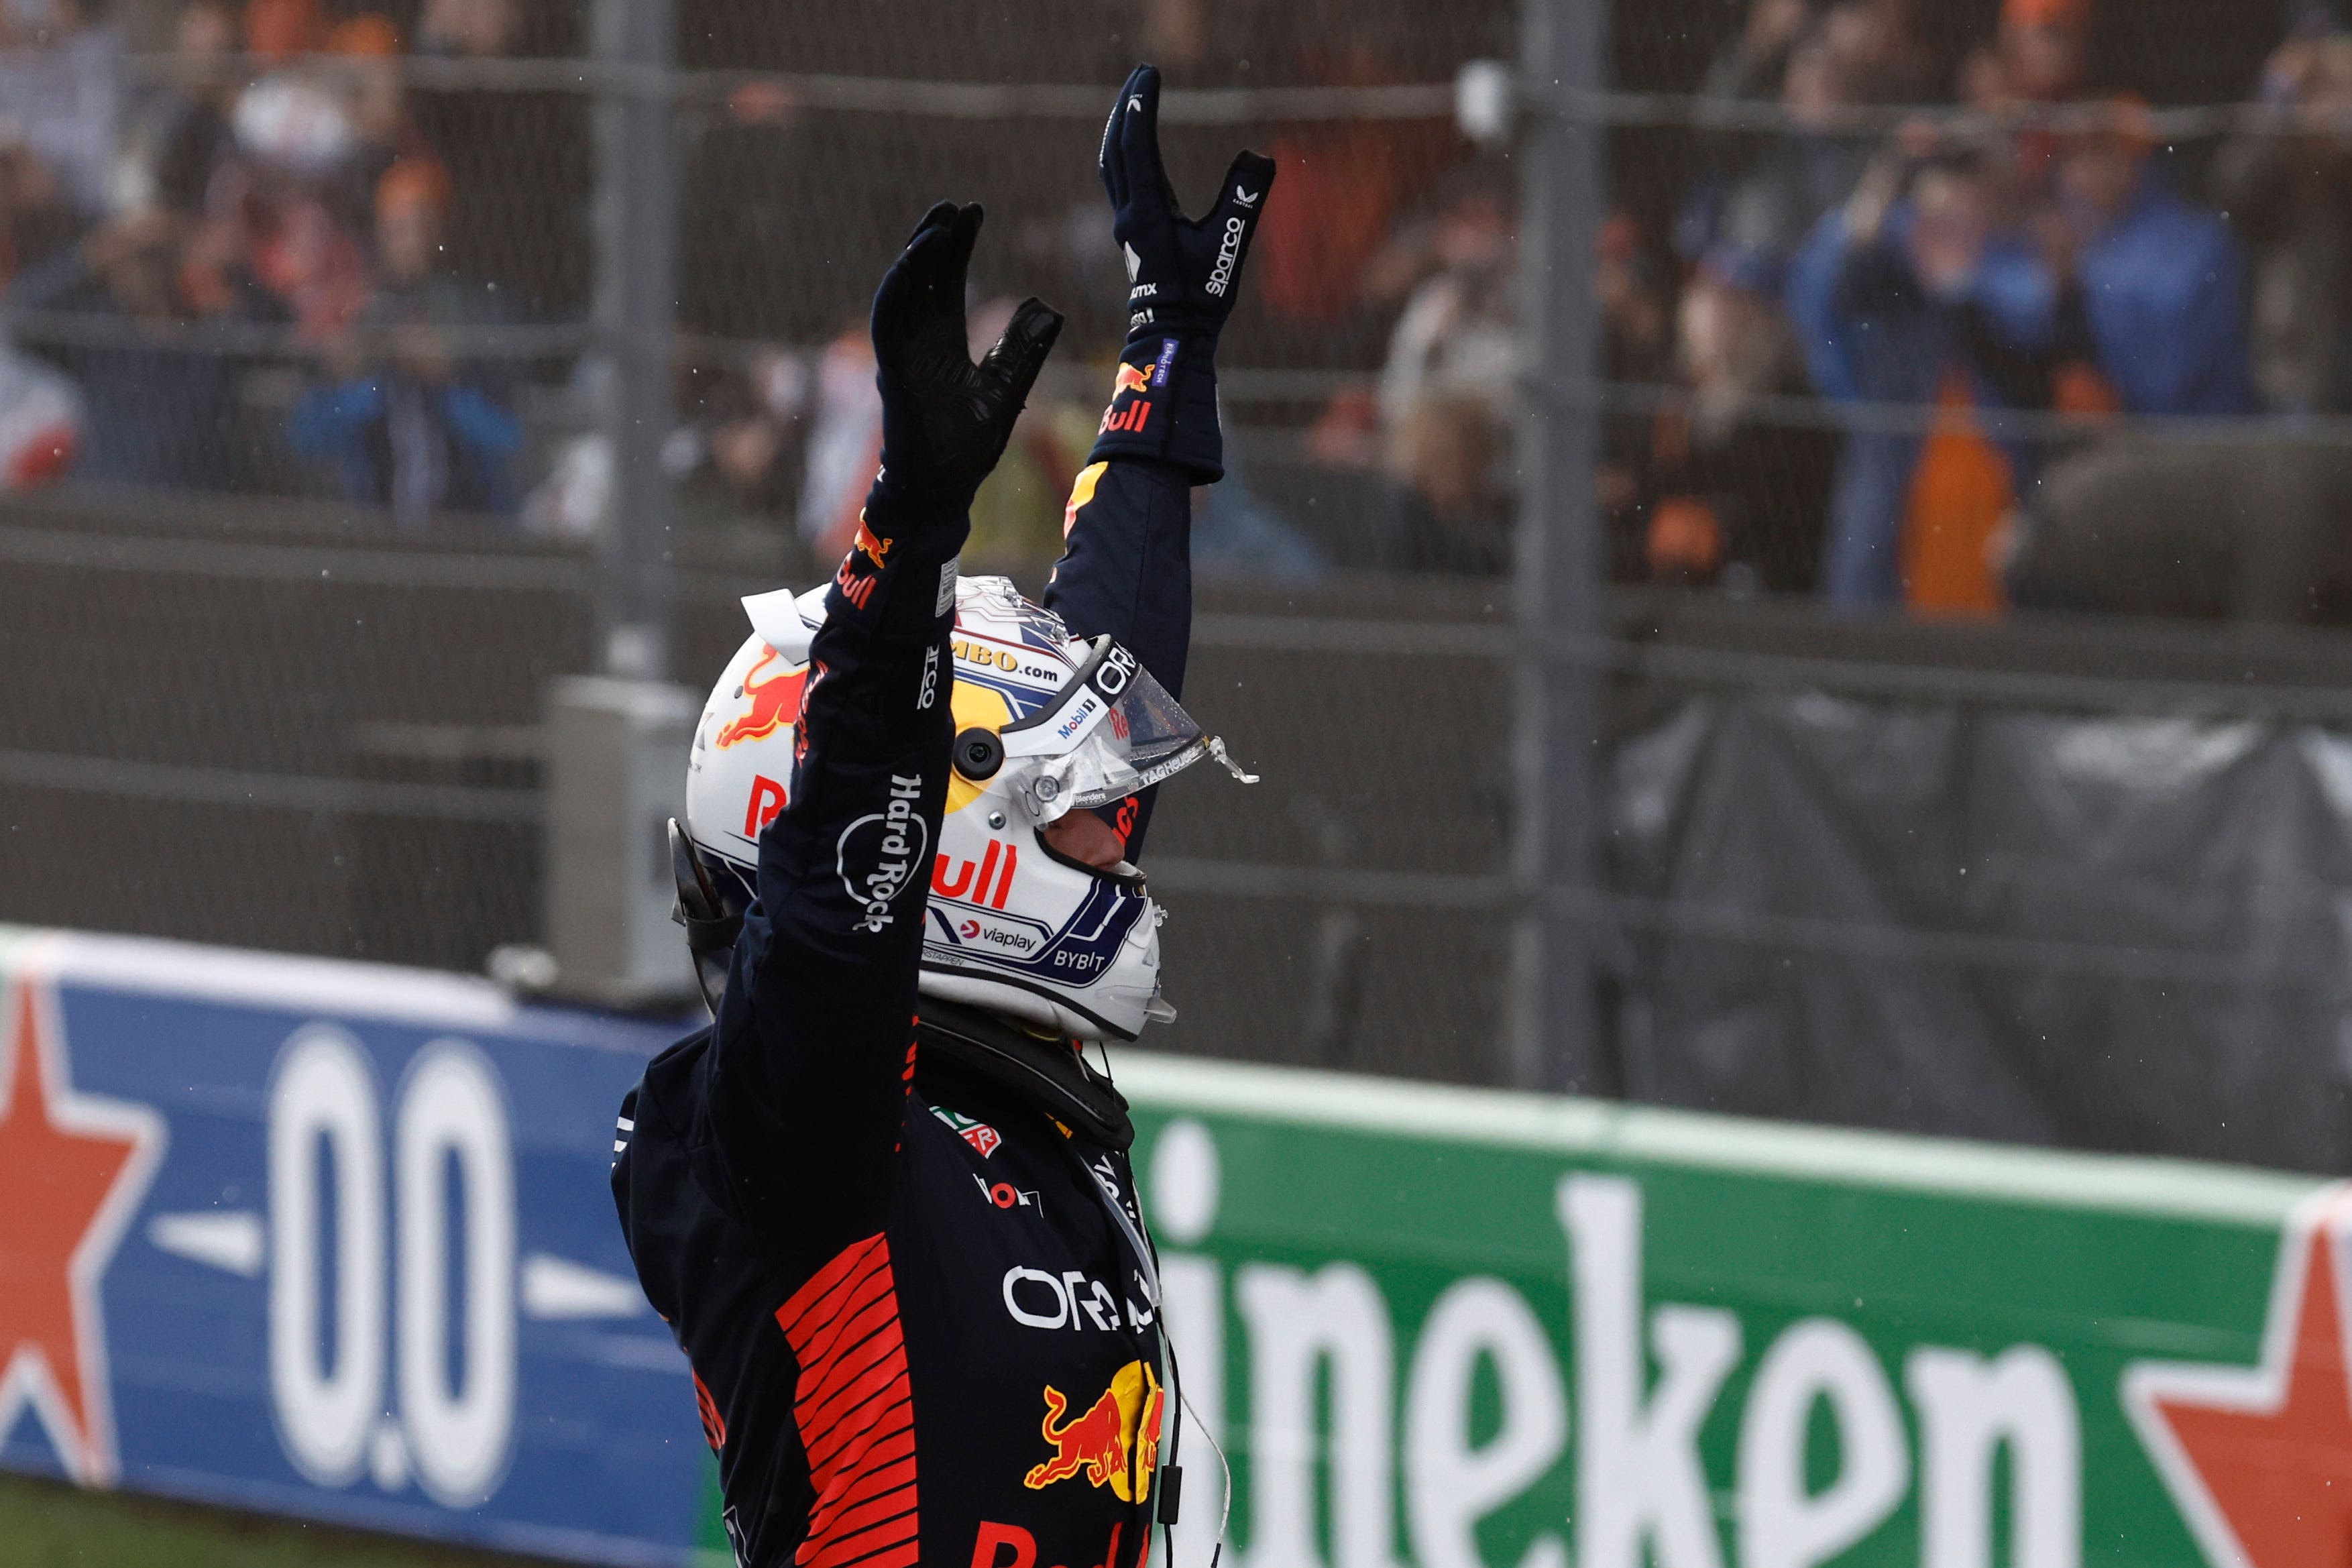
{"points": [[72, 1170], [2259, 1458]]}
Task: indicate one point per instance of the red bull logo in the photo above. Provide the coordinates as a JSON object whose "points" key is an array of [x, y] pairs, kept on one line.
{"points": [[767, 802], [1115, 1442], [990, 883], [1128, 420], [775, 702], [878, 550], [1131, 378]]}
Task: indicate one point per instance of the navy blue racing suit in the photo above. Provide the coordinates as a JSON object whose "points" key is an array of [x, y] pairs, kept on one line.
{"points": [[919, 1330], [1126, 571]]}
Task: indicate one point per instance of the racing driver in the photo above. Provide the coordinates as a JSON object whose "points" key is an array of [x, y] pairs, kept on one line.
{"points": [[883, 1201]]}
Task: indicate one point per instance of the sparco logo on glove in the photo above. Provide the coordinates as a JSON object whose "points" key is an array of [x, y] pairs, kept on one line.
{"points": [[1229, 251]]}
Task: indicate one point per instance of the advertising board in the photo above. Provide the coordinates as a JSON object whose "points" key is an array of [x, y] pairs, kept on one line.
{"points": [[333, 1240]]}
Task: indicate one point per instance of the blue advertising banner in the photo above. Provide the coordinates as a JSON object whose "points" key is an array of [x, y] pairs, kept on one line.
{"points": [[332, 1240]]}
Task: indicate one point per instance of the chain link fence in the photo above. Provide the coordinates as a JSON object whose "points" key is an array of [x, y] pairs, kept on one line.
{"points": [[1935, 350]]}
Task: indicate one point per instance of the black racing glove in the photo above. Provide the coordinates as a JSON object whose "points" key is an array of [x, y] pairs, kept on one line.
{"points": [[945, 421], [1183, 276]]}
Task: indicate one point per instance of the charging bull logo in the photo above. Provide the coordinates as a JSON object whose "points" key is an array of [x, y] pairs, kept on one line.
{"points": [[855, 585], [1131, 378], [775, 702], [1116, 1441]]}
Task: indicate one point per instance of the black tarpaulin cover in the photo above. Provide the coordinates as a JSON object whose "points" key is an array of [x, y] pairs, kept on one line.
{"points": [[2102, 932]]}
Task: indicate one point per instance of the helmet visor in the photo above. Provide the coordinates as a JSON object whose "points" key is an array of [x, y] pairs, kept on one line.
{"points": [[1115, 730], [1146, 737]]}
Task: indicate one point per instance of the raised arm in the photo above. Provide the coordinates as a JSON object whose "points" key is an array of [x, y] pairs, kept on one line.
{"points": [[806, 1082], [1126, 566]]}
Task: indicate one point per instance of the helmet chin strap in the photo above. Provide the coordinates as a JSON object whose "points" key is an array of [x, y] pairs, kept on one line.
{"points": [[711, 930], [1046, 1074]]}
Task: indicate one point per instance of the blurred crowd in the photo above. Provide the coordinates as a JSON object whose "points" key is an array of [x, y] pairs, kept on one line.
{"points": [[267, 266], [1953, 330], [1946, 332], [2000, 356], [1944, 328]]}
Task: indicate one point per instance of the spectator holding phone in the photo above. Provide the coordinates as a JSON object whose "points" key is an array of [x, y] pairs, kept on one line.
{"points": [[1909, 299], [409, 427]]}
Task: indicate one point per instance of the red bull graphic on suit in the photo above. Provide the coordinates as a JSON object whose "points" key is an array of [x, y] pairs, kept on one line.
{"points": [[1115, 1441], [856, 583], [1136, 381]]}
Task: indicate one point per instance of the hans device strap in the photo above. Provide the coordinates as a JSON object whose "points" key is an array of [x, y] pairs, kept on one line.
{"points": [[1046, 1074], [711, 928]]}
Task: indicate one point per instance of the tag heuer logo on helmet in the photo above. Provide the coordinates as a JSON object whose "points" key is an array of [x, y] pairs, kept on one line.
{"points": [[879, 854]]}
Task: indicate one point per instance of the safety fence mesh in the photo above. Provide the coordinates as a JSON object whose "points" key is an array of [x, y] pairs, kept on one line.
{"points": [[2025, 321]]}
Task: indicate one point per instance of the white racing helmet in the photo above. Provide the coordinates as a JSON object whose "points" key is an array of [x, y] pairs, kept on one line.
{"points": [[1046, 724]]}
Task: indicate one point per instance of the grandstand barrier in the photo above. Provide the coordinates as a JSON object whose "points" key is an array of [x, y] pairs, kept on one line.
{"points": [[333, 1240], [292, 731]]}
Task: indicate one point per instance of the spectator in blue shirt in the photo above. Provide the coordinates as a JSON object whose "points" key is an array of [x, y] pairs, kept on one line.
{"points": [[412, 428], [1906, 287], [2236, 524], [2163, 281]]}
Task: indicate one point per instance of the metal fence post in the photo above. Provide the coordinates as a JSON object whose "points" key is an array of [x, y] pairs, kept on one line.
{"points": [[616, 743], [1553, 1026], [635, 43]]}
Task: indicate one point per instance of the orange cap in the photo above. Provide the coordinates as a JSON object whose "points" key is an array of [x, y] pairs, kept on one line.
{"points": [[275, 29], [413, 180], [1686, 535], [368, 37], [2127, 121], [2075, 14]]}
